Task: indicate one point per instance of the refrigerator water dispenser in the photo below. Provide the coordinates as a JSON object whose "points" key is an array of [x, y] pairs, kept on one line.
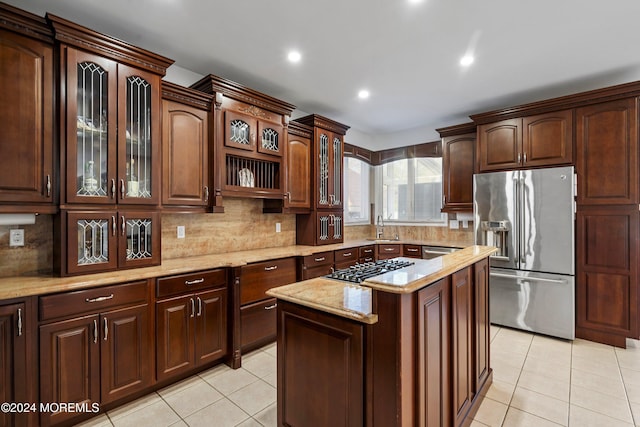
{"points": [[494, 233]]}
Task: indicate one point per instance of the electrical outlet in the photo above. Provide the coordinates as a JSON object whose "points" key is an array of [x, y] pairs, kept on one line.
{"points": [[278, 227], [181, 232], [454, 224], [465, 223], [16, 237]]}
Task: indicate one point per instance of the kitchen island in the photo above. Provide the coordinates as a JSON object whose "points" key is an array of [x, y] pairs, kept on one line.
{"points": [[408, 347]]}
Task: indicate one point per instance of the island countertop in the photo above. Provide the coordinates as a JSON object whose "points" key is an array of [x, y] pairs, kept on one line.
{"points": [[354, 301]]}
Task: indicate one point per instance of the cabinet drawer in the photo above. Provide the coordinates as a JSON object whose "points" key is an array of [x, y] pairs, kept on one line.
{"points": [[92, 300], [317, 271], [413, 251], [321, 258], [256, 279], [346, 255], [366, 251], [191, 282], [258, 323], [389, 249]]}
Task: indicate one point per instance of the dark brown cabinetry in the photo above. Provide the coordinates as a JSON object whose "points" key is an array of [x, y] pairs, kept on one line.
{"points": [[345, 258], [607, 235], [16, 361], [386, 251], [462, 351], [185, 147], [298, 171], [27, 181], [433, 350], [412, 251], [324, 225], [366, 253], [249, 141], [458, 158], [96, 346], [319, 355], [95, 241], [482, 325], [257, 314], [316, 265], [191, 317], [533, 141]]}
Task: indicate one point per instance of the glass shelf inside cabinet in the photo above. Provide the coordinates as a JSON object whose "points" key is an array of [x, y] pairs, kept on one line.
{"points": [[92, 135]]}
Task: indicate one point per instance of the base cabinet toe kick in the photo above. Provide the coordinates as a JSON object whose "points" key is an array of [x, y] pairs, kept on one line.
{"points": [[421, 360]]}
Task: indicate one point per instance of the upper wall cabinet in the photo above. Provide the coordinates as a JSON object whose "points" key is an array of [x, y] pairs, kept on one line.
{"points": [[458, 149], [27, 181], [110, 118], [249, 140], [532, 141], [185, 147]]}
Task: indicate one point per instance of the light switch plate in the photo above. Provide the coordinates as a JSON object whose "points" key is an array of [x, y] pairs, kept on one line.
{"points": [[16, 237], [181, 232], [454, 224]]}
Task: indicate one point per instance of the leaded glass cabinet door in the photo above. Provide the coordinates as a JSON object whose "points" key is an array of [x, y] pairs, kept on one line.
{"points": [[240, 131], [335, 199], [138, 136], [323, 148], [91, 128], [139, 243], [270, 138], [92, 241]]}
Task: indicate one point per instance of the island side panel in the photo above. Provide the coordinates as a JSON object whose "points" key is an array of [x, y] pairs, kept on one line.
{"points": [[320, 368]]}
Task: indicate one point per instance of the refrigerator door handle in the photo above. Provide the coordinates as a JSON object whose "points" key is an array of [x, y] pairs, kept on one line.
{"points": [[532, 279], [500, 258]]}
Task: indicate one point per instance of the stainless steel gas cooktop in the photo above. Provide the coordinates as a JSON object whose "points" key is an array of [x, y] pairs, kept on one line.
{"points": [[360, 272]]}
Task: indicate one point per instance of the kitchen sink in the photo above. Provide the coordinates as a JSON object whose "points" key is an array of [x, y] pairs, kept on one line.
{"points": [[383, 240]]}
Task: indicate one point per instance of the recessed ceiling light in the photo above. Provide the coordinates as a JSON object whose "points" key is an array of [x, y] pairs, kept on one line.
{"points": [[466, 60], [415, 1], [363, 94], [294, 56]]}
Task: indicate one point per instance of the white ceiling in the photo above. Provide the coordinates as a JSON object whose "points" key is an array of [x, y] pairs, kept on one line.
{"points": [[407, 55]]}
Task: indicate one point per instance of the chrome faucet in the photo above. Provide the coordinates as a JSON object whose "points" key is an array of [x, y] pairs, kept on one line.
{"points": [[380, 227]]}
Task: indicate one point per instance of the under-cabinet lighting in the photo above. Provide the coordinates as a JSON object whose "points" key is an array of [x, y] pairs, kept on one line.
{"points": [[17, 219]]}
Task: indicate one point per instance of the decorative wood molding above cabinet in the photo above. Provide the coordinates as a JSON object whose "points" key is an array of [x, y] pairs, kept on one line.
{"points": [[249, 140]]}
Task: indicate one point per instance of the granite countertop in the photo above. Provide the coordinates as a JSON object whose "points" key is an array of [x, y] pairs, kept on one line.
{"points": [[353, 301], [23, 286]]}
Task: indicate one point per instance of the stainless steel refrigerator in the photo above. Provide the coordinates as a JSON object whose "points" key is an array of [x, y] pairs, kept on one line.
{"points": [[529, 216]]}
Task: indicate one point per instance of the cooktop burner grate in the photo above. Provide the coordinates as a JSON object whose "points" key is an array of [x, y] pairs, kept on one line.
{"points": [[360, 272]]}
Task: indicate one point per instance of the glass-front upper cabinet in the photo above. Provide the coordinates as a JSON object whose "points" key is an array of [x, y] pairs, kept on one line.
{"points": [[329, 158], [113, 133]]}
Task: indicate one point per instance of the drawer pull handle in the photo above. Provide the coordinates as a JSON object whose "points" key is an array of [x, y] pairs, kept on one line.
{"points": [[390, 249], [19, 322], [106, 328], [194, 282], [411, 250], [271, 307], [347, 254], [99, 299], [320, 259], [275, 267], [368, 251]]}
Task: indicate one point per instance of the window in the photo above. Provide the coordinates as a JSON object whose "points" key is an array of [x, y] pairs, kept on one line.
{"points": [[412, 190], [356, 188]]}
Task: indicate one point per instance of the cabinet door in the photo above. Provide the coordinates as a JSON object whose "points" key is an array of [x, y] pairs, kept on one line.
{"points": [[322, 154], [607, 153], [185, 155], [271, 138], [13, 362], [481, 318], [139, 241], [457, 173], [258, 324], [240, 130], [607, 272], [499, 145], [547, 139], [91, 241], [335, 171], [433, 355], [462, 352], [139, 136], [298, 191], [211, 325], [175, 335], [336, 227], [91, 123], [126, 352], [69, 365], [26, 119]]}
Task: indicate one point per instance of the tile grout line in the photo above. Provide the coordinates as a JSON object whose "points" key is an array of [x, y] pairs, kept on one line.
{"points": [[624, 386]]}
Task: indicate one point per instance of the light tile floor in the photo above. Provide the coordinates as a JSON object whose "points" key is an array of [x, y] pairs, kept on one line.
{"points": [[538, 381]]}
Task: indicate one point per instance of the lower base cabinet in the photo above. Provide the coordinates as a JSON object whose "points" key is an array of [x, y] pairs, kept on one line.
{"points": [[258, 321], [103, 354], [191, 317]]}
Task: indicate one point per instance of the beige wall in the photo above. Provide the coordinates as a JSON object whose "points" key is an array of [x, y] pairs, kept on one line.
{"points": [[243, 226]]}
